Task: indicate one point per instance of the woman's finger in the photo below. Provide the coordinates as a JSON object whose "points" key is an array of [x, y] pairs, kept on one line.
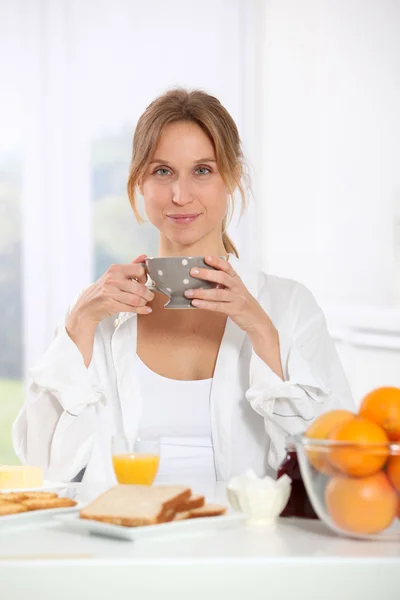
{"points": [[114, 292], [135, 271], [141, 260], [133, 287], [222, 307], [221, 265], [212, 275], [140, 310], [129, 299], [217, 295]]}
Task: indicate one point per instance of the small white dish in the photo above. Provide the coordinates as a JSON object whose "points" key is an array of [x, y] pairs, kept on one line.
{"points": [[261, 499], [189, 526], [48, 486], [35, 516]]}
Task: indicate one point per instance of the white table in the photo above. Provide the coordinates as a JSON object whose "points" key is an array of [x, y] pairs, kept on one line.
{"points": [[295, 559]]}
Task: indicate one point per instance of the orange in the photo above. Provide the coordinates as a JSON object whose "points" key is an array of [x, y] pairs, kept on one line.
{"points": [[365, 505], [382, 406], [393, 471], [320, 430], [356, 458]]}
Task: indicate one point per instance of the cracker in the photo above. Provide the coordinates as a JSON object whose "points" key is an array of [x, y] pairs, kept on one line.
{"points": [[39, 495], [47, 503], [12, 496], [11, 508]]}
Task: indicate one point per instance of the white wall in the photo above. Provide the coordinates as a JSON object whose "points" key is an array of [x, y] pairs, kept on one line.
{"points": [[330, 176]]}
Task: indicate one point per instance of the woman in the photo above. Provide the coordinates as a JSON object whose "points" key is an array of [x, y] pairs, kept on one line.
{"points": [[222, 385]]}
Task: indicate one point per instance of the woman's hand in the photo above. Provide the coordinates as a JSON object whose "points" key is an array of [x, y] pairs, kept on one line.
{"points": [[232, 298], [120, 289]]}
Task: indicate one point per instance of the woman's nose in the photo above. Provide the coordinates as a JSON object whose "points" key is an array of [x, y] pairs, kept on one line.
{"points": [[181, 193]]}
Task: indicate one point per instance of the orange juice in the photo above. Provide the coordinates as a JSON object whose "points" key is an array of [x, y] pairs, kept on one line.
{"points": [[136, 468]]}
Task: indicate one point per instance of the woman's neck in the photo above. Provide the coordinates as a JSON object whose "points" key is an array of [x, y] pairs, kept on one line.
{"points": [[203, 248]]}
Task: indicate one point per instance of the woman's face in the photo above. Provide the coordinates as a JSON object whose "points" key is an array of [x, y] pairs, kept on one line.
{"points": [[184, 194]]}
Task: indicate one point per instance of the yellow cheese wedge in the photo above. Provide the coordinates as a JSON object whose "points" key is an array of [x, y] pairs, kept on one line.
{"points": [[20, 477]]}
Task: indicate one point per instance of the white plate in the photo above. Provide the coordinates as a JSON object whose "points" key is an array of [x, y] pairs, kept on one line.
{"points": [[48, 486], [189, 526], [35, 516]]}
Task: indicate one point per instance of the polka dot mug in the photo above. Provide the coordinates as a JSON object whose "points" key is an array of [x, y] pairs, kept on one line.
{"points": [[170, 275]]}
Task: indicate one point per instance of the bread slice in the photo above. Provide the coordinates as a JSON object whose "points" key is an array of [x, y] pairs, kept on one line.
{"points": [[182, 515], [208, 510], [136, 505], [193, 502]]}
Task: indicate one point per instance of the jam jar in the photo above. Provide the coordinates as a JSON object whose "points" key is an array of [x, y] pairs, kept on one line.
{"points": [[298, 505]]}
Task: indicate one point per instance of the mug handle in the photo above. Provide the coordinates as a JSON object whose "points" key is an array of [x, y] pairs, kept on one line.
{"points": [[152, 288]]}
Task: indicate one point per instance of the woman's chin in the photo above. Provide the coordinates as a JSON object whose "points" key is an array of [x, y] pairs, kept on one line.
{"points": [[185, 239]]}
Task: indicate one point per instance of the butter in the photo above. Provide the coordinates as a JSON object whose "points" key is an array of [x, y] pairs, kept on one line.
{"points": [[20, 477], [262, 499]]}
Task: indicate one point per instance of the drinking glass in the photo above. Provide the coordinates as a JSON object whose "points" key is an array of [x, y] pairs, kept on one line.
{"points": [[135, 459]]}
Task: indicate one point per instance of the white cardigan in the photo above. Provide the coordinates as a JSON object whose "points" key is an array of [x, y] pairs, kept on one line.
{"points": [[71, 411]]}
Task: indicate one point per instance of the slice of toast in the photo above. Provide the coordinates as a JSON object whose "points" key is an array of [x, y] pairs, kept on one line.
{"points": [[208, 510], [182, 515], [136, 505], [195, 501]]}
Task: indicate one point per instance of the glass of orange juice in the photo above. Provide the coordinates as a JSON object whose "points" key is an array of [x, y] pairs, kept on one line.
{"points": [[135, 459]]}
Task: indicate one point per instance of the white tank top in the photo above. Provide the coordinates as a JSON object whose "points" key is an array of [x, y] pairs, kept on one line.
{"points": [[179, 412]]}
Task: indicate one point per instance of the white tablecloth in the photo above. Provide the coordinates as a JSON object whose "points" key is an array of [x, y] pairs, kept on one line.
{"points": [[293, 560]]}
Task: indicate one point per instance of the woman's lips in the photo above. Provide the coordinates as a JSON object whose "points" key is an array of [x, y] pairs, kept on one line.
{"points": [[183, 219]]}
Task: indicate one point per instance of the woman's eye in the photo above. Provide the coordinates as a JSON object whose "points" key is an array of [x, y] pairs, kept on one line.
{"points": [[162, 172], [203, 171]]}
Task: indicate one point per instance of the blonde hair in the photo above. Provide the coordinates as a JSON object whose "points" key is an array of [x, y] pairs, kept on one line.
{"points": [[206, 111]]}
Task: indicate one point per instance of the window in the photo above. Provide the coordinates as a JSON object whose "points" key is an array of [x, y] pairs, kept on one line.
{"points": [[77, 78], [117, 236], [11, 310]]}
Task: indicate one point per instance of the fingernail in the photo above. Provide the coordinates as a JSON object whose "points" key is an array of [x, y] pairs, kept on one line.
{"points": [[209, 258], [148, 309], [195, 271], [189, 293]]}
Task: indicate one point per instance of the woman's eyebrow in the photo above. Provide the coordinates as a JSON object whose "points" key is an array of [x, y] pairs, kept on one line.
{"points": [[199, 160]]}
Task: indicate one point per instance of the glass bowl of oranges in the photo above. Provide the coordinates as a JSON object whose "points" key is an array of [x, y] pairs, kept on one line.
{"points": [[350, 466]]}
